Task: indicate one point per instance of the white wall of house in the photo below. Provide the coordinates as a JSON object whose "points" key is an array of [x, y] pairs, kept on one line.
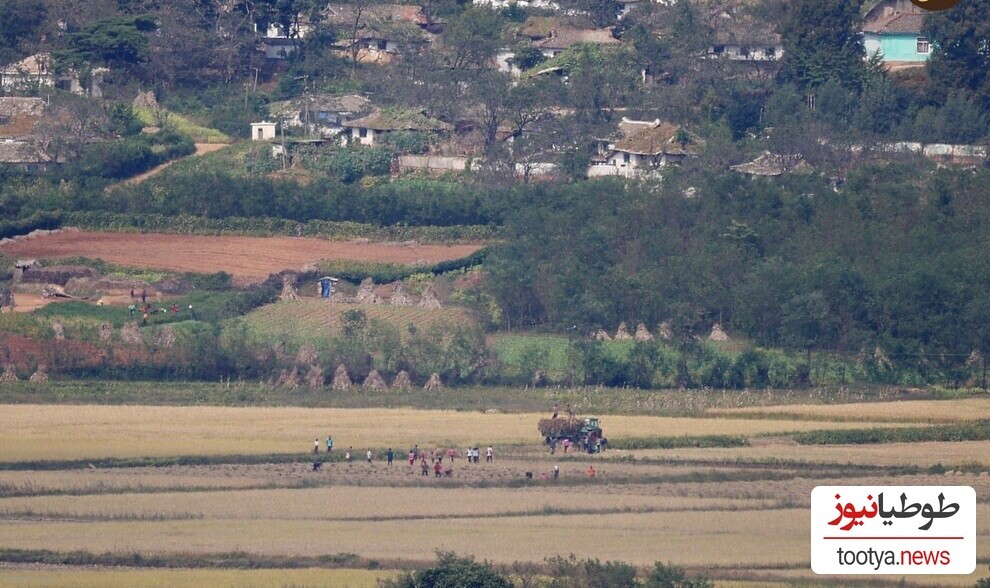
{"points": [[503, 60], [363, 136], [747, 52]]}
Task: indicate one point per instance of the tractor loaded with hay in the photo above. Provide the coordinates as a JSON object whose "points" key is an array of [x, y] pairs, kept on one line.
{"points": [[585, 432]]}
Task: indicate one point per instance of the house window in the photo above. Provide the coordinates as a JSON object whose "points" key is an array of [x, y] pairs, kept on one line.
{"points": [[718, 49], [744, 51], [770, 52], [625, 158], [261, 134], [924, 47], [363, 133], [4, 120], [811, 101]]}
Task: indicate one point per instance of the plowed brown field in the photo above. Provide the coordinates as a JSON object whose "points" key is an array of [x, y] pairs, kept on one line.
{"points": [[246, 257]]}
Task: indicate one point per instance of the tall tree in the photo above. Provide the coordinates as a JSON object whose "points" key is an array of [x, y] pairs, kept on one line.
{"points": [[822, 41], [960, 58], [20, 21]]}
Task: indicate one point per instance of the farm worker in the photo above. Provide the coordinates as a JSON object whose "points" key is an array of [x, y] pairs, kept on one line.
{"points": [[175, 308], [556, 472], [144, 319], [553, 446], [555, 411], [390, 456], [570, 413], [412, 457], [132, 292], [489, 454], [426, 468], [591, 471], [467, 452], [452, 453], [436, 469], [144, 295], [347, 456], [477, 455], [369, 456], [316, 446], [567, 445], [329, 444], [132, 308], [192, 312]]}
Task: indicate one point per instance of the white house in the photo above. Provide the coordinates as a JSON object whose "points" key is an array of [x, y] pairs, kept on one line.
{"points": [[262, 131], [277, 45], [562, 39], [31, 73], [322, 115], [740, 36], [364, 131], [641, 147]]}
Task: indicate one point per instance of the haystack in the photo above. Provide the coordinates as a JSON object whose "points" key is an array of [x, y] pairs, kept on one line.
{"points": [[665, 331], [58, 329], [374, 381], [399, 297], [642, 334], [39, 374], [106, 332], [717, 333], [402, 381], [131, 333], [430, 300], [163, 337], [433, 383], [307, 354], [341, 381], [145, 100], [366, 293], [9, 374], [601, 335], [314, 378], [622, 334], [288, 293]]}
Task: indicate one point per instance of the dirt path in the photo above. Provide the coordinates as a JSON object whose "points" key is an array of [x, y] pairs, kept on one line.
{"points": [[246, 257], [201, 148]]}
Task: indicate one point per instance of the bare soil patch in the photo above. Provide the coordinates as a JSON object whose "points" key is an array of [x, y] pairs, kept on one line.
{"points": [[246, 257]]}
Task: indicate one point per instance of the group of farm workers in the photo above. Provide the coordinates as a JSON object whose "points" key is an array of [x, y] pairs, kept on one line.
{"points": [[436, 457]]}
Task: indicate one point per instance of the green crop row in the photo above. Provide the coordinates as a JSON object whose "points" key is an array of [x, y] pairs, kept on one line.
{"points": [[266, 226]]}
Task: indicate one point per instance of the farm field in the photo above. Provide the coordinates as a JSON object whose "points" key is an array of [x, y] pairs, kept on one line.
{"points": [[244, 257], [965, 409], [37, 432], [127, 578], [306, 320], [737, 514]]}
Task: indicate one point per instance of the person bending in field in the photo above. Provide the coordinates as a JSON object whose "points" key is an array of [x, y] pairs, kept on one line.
{"points": [[489, 454]]}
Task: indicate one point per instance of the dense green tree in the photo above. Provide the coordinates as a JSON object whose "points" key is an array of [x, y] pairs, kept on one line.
{"points": [[960, 60], [117, 42], [20, 22], [472, 37], [822, 41]]}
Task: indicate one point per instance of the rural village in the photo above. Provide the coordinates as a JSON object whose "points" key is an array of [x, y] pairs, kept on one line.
{"points": [[490, 293]]}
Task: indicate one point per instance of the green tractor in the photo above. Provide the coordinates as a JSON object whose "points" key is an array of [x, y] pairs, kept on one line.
{"points": [[584, 432]]}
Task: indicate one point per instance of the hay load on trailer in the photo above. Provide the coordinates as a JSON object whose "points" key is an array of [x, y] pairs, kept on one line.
{"points": [[576, 429]]}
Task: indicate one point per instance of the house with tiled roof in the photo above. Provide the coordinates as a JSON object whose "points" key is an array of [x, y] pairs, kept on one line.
{"points": [[384, 31], [641, 147], [31, 73], [892, 30], [19, 144], [365, 130], [321, 114], [739, 35], [897, 39], [562, 39]]}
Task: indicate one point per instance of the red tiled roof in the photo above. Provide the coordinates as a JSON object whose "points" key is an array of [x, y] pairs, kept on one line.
{"points": [[901, 23]]}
